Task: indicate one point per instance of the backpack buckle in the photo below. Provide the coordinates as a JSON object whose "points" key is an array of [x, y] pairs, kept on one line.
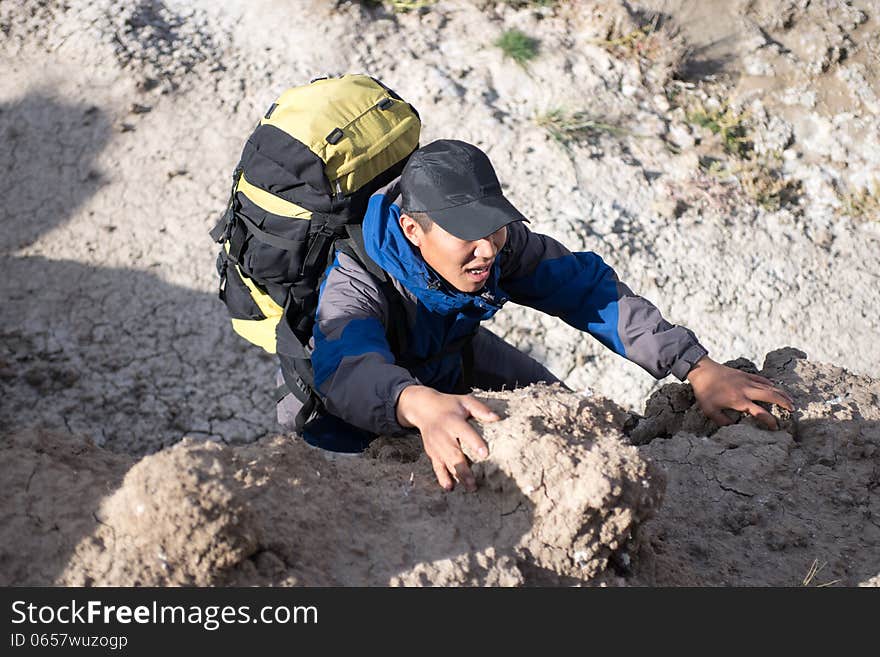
{"points": [[317, 248], [220, 232]]}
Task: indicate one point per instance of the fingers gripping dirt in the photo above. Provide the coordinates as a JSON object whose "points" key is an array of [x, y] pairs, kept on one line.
{"points": [[718, 387], [443, 423]]}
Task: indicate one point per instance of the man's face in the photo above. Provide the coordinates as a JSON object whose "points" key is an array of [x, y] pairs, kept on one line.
{"points": [[464, 265]]}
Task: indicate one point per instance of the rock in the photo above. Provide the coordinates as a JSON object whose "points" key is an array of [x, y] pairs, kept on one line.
{"points": [[681, 135], [774, 137], [872, 582]]}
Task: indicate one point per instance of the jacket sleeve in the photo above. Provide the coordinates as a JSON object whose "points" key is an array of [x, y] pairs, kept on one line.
{"points": [[355, 371], [579, 288]]}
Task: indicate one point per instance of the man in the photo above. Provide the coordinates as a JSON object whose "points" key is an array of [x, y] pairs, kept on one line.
{"points": [[404, 355]]}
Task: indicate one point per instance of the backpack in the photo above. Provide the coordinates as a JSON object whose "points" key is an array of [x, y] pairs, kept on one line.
{"points": [[300, 191]]}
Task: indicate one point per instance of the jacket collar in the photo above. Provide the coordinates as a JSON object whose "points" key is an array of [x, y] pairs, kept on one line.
{"points": [[388, 247]]}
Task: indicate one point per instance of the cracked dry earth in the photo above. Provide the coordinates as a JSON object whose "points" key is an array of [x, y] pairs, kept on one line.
{"points": [[564, 499], [751, 507]]}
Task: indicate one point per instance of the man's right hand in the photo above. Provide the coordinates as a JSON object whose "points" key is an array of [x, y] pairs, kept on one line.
{"points": [[443, 422]]}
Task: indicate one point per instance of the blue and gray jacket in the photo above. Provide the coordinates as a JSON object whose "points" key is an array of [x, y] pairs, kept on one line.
{"points": [[357, 371]]}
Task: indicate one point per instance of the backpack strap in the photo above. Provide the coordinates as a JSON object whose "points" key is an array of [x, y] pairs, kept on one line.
{"points": [[222, 228], [296, 369], [268, 238], [219, 229], [355, 248], [294, 357], [356, 241]]}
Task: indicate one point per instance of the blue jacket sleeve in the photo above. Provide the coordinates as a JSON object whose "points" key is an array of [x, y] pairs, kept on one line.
{"points": [[583, 291]]}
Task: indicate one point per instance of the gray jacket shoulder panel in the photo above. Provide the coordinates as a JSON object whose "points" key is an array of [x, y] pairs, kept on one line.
{"points": [[351, 291]]}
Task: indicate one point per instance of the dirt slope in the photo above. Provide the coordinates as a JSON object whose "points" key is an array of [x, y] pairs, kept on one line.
{"points": [[561, 493], [564, 499], [121, 382], [752, 507]]}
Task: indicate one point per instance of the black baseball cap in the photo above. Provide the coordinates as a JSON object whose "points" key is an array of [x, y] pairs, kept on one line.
{"points": [[454, 183]]}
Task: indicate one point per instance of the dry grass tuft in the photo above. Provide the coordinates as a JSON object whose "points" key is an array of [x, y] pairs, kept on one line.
{"points": [[567, 128], [813, 571], [654, 41], [861, 204], [724, 121]]}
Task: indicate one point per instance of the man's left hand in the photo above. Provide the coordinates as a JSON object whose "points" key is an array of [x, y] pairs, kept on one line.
{"points": [[717, 387]]}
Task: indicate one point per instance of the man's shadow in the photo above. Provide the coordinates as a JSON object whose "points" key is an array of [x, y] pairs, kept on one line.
{"points": [[114, 355]]}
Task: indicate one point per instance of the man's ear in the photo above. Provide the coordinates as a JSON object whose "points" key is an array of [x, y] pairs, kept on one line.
{"points": [[411, 230]]}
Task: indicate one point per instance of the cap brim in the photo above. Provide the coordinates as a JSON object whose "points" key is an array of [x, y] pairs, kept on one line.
{"points": [[477, 219]]}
